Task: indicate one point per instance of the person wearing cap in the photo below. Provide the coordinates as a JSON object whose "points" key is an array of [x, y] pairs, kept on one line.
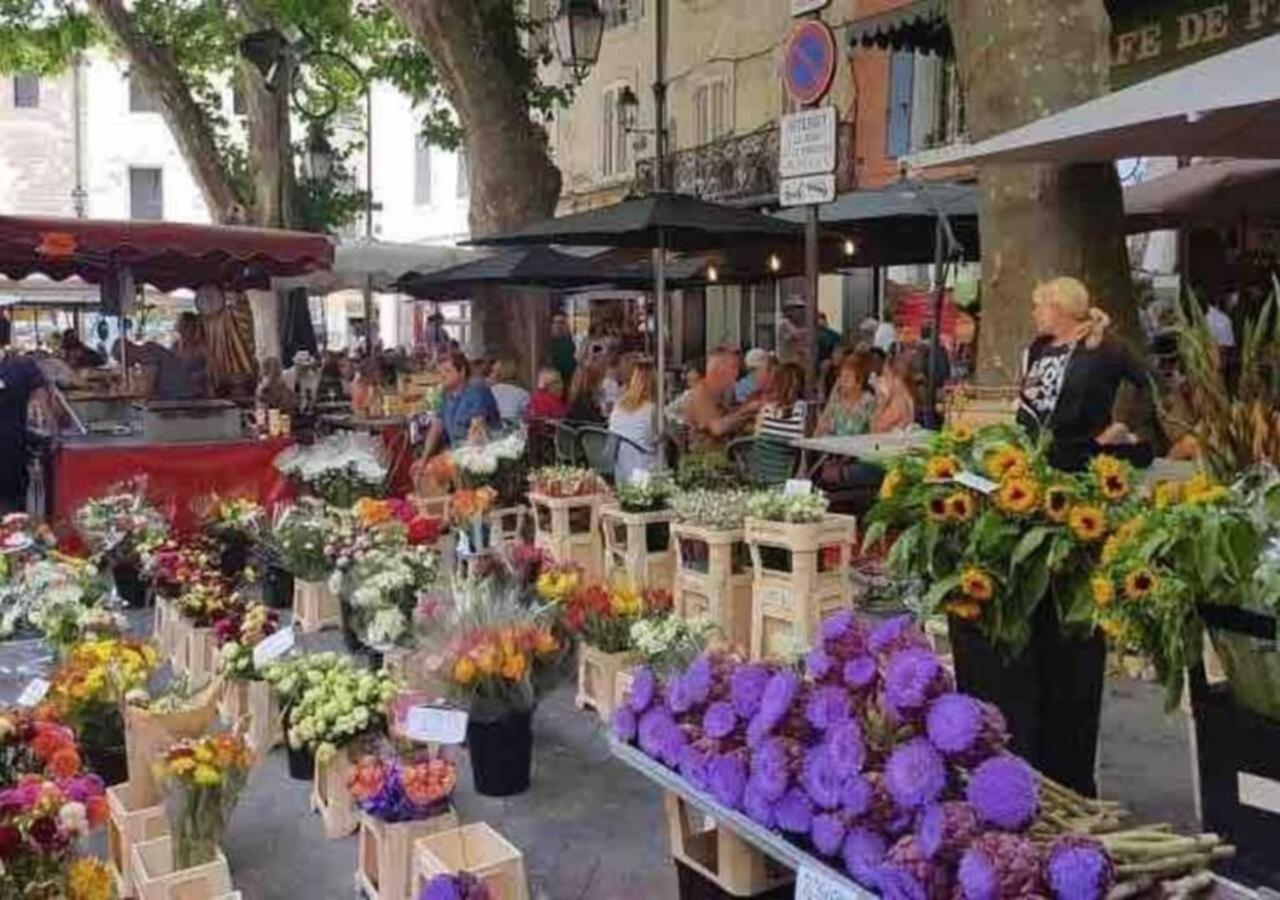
{"points": [[759, 363], [303, 379]]}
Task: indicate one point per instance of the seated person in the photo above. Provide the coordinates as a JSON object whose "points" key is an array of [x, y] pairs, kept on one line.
{"points": [[711, 424], [512, 400], [759, 364], [852, 404], [547, 401]]}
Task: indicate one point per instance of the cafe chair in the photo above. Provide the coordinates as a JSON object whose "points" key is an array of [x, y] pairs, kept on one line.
{"points": [[568, 450], [600, 449], [764, 461]]}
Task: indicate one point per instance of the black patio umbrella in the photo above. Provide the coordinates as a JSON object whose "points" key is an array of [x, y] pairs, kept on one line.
{"points": [[533, 266], [661, 221]]}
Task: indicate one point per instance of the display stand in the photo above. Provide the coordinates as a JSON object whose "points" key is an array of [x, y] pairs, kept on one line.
{"points": [[713, 579], [627, 550], [315, 607], [130, 821], [384, 865], [177, 629], [477, 849], [622, 686], [255, 702], [156, 878], [799, 577], [506, 526], [598, 679], [718, 854], [331, 798], [162, 624], [568, 528], [202, 655]]}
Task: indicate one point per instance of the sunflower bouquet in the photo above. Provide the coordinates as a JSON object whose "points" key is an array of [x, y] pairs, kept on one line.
{"points": [[203, 779], [990, 530]]}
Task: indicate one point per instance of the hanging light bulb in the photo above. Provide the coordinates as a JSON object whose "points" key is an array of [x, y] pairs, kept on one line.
{"points": [[775, 262], [713, 274], [850, 248]]}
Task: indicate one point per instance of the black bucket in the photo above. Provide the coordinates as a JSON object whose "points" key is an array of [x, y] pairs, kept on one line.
{"points": [[129, 584], [277, 588], [501, 754], [301, 761]]}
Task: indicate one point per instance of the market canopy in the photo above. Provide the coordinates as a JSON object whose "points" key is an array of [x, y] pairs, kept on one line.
{"points": [[920, 27], [167, 255], [1224, 192], [1226, 105], [378, 264]]}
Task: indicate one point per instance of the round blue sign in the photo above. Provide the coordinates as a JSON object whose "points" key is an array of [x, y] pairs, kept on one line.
{"points": [[810, 64]]}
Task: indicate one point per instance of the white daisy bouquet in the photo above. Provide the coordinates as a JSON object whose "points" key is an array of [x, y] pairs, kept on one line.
{"points": [[340, 468]]}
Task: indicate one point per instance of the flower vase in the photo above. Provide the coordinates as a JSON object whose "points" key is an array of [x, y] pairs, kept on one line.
{"points": [[197, 823], [501, 753], [103, 746], [234, 556], [301, 760], [129, 585], [277, 588]]}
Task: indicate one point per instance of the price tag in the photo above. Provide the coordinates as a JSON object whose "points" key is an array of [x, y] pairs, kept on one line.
{"points": [[797, 487], [33, 693], [273, 647], [640, 478], [976, 482], [435, 725], [812, 884]]}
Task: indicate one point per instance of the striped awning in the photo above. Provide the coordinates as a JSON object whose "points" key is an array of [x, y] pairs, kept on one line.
{"points": [[920, 27]]}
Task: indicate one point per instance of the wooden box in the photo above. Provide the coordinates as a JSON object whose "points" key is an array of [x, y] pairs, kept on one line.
{"points": [[626, 546], [162, 623], [178, 629], [477, 849], [568, 528], [330, 797], [598, 679], [384, 866], [622, 686], [979, 406], [130, 822], [713, 579], [156, 879], [202, 655], [800, 575], [506, 526], [255, 702], [720, 855], [315, 607]]}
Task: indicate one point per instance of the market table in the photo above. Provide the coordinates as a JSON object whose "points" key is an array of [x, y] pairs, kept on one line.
{"points": [[85, 466], [866, 447]]}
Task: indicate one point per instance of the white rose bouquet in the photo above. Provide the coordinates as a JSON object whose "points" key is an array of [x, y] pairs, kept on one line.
{"points": [[329, 701]]}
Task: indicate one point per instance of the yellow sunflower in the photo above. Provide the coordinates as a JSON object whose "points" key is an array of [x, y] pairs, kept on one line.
{"points": [[1111, 548], [938, 509], [1102, 589], [1017, 496], [961, 507], [1114, 629], [960, 433], [1130, 529], [1005, 460], [1139, 583], [1104, 465], [1167, 493], [892, 480], [977, 584], [1202, 490], [964, 609], [1088, 523], [1114, 486], [1057, 500], [941, 468]]}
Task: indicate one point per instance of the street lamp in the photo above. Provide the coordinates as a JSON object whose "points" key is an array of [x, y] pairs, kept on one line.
{"points": [[319, 158], [579, 27]]}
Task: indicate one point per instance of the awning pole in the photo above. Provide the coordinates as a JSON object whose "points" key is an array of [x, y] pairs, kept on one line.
{"points": [[659, 327]]}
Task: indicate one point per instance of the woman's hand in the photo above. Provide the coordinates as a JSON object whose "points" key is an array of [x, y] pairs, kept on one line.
{"points": [[1115, 434]]}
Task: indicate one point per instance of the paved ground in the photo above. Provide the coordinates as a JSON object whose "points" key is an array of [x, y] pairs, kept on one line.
{"points": [[591, 829]]}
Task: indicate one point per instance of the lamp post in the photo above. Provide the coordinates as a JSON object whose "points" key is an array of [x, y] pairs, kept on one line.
{"points": [[578, 27]]}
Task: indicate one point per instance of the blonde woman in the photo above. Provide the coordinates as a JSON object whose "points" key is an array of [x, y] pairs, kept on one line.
{"points": [[1070, 376], [633, 418]]}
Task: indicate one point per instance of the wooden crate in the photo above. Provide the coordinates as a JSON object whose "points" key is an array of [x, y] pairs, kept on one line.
{"points": [[475, 848], [626, 547], [130, 821], [978, 407], [722, 589], [202, 655], [315, 607], [178, 630], [598, 679], [800, 575], [330, 797], [255, 702], [568, 528], [384, 866], [718, 854], [158, 880], [162, 623], [622, 686]]}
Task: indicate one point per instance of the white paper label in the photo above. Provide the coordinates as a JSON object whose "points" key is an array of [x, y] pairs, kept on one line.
{"points": [[640, 477], [33, 693], [273, 647], [797, 487], [976, 482], [435, 725], [814, 885], [1258, 792]]}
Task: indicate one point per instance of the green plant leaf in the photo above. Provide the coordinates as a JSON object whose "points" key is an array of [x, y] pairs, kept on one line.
{"points": [[1030, 543]]}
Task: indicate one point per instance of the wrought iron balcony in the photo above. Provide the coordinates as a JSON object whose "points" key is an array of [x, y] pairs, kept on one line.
{"points": [[738, 169]]}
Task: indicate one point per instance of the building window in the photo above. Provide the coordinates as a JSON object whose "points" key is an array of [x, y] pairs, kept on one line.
{"points": [[464, 176], [421, 171], [26, 91], [710, 111], [901, 80], [615, 155], [141, 99], [146, 193]]}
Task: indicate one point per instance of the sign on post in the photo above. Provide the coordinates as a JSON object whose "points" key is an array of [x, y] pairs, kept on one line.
{"points": [[808, 143], [809, 65], [807, 189]]}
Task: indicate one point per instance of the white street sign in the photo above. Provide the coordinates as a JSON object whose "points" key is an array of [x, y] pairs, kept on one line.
{"points": [[800, 7], [807, 189], [808, 143]]}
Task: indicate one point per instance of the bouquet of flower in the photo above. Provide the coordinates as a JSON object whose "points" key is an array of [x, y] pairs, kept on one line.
{"points": [[380, 589], [995, 546], [115, 525], [207, 602], [21, 541], [476, 465], [777, 506], [242, 517], [299, 535], [30, 745], [719, 509], [468, 506], [203, 779], [53, 594], [670, 642], [402, 790], [329, 702], [171, 566], [455, 886], [564, 481], [238, 634], [602, 616], [646, 494], [559, 581], [41, 824], [340, 469]]}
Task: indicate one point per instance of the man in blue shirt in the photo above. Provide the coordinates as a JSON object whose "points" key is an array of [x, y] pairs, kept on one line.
{"points": [[468, 410]]}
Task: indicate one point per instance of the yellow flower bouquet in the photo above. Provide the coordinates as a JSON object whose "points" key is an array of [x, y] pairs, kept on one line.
{"points": [[203, 779]]}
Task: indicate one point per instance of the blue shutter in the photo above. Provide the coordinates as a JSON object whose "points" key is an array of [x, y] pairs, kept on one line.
{"points": [[901, 71]]}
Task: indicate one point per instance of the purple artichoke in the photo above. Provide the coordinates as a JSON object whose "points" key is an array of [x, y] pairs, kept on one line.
{"points": [[794, 812], [771, 768], [671, 744], [946, 829], [679, 696], [827, 707], [837, 625], [719, 720], [652, 729], [727, 778], [818, 664], [746, 688], [860, 672], [778, 694], [999, 865], [758, 729], [912, 678], [694, 759], [915, 774], [857, 796], [697, 679], [1077, 867], [908, 872], [898, 633], [821, 779], [624, 724], [848, 751], [1004, 793], [863, 854], [965, 729], [757, 806], [826, 831], [644, 685]]}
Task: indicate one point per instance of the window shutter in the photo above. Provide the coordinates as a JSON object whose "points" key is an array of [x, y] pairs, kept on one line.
{"points": [[146, 194], [607, 133], [140, 99], [26, 91], [901, 70]]}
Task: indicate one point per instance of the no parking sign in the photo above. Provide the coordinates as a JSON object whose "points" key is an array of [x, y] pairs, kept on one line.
{"points": [[810, 63]]}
